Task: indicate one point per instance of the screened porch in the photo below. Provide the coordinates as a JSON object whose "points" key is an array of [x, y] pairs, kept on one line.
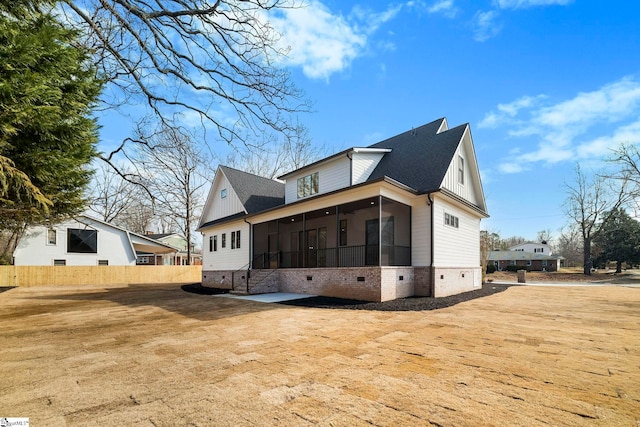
{"points": [[369, 232]]}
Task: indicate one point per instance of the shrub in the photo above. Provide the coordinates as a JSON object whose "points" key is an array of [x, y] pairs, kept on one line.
{"points": [[491, 269], [517, 267]]}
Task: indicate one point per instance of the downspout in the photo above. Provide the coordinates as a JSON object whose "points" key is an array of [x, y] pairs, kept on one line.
{"points": [[432, 285], [350, 168]]}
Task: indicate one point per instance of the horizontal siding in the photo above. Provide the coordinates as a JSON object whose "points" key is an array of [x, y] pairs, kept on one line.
{"points": [[363, 165], [456, 247], [226, 258], [332, 176], [420, 232]]}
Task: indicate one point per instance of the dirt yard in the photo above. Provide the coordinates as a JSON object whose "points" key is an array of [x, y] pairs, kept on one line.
{"points": [[159, 356]]}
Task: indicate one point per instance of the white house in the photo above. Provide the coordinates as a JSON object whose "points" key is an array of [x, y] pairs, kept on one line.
{"points": [[84, 241], [395, 219], [532, 247]]}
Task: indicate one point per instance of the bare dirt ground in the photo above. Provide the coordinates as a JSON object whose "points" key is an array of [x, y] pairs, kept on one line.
{"points": [[569, 275], [159, 356]]}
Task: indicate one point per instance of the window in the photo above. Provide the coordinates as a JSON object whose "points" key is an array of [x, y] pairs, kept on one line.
{"points": [[308, 185], [223, 193], [238, 239], [143, 260], [451, 220], [544, 263], [210, 243], [82, 241], [343, 232], [103, 262], [460, 170], [512, 262], [538, 250], [215, 243], [233, 240], [52, 236], [59, 262], [529, 263], [224, 240]]}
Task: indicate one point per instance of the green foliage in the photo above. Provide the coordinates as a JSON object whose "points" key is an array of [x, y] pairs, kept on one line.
{"points": [[491, 269], [47, 136], [517, 267], [618, 240]]}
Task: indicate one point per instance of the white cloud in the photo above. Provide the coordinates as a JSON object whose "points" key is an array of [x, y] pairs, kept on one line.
{"points": [[485, 25], [521, 4], [581, 128], [322, 42], [445, 7], [510, 110]]}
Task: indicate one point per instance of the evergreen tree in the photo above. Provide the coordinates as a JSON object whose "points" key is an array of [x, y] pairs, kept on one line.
{"points": [[619, 240], [47, 136]]}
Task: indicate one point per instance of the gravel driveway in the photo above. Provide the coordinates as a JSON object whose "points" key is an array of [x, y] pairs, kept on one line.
{"points": [[159, 356]]}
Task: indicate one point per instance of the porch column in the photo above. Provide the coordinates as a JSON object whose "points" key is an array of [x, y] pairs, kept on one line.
{"points": [[379, 231]]}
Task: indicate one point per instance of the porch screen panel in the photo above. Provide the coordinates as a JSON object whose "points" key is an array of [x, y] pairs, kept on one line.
{"points": [[396, 233]]}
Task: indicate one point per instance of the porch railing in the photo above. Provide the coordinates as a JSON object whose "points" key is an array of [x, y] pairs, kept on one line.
{"points": [[343, 256]]}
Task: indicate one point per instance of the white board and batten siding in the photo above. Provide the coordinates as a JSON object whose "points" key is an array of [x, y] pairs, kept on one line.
{"points": [[469, 189], [332, 176], [221, 207], [455, 247], [226, 258]]}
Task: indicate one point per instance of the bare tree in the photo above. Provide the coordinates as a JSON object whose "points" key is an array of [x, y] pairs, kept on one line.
{"points": [[570, 245], [217, 62], [589, 203], [272, 157], [138, 216], [170, 166], [110, 197], [544, 236]]}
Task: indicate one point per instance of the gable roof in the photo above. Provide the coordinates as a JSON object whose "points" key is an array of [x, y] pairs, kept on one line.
{"points": [[255, 192], [419, 157]]}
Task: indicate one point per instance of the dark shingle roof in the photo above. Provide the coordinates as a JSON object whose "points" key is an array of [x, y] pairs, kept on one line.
{"points": [[255, 192], [420, 157]]}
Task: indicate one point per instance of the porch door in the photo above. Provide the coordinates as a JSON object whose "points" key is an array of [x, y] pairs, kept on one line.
{"points": [[322, 247], [295, 259], [312, 248], [372, 240]]}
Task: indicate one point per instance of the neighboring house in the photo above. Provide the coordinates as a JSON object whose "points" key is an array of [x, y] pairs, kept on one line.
{"points": [[83, 241], [530, 261], [533, 247], [179, 258], [395, 219]]}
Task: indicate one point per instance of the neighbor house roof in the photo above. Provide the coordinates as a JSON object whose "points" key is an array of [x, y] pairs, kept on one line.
{"points": [[255, 192], [420, 157], [519, 256]]}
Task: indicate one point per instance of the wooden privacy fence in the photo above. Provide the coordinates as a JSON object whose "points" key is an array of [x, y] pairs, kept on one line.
{"points": [[11, 275]]}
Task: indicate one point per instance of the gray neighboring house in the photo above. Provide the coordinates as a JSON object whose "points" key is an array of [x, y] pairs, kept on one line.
{"points": [[530, 261], [391, 220]]}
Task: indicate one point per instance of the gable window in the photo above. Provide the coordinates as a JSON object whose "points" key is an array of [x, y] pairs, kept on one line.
{"points": [[460, 170], [308, 185], [223, 193], [451, 220], [82, 241], [224, 240], [52, 236]]}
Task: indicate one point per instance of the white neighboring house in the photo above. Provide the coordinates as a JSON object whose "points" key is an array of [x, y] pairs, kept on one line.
{"points": [[84, 241], [395, 219], [533, 247]]}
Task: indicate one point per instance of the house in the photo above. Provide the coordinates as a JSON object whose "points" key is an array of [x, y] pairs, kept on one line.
{"points": [[522, 260], [391, 220], [530, 256], [180, 257], [533, 247], [84, 241]]}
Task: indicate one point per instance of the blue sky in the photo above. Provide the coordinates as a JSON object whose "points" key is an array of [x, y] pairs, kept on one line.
{"points": [[543, 83]]}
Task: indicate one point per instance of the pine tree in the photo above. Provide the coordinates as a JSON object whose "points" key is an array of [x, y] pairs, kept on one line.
{"points": [[47, 134]]}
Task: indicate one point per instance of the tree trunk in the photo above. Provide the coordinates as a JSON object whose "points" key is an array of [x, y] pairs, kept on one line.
{"points": [[586, 256], [618, 266]]}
